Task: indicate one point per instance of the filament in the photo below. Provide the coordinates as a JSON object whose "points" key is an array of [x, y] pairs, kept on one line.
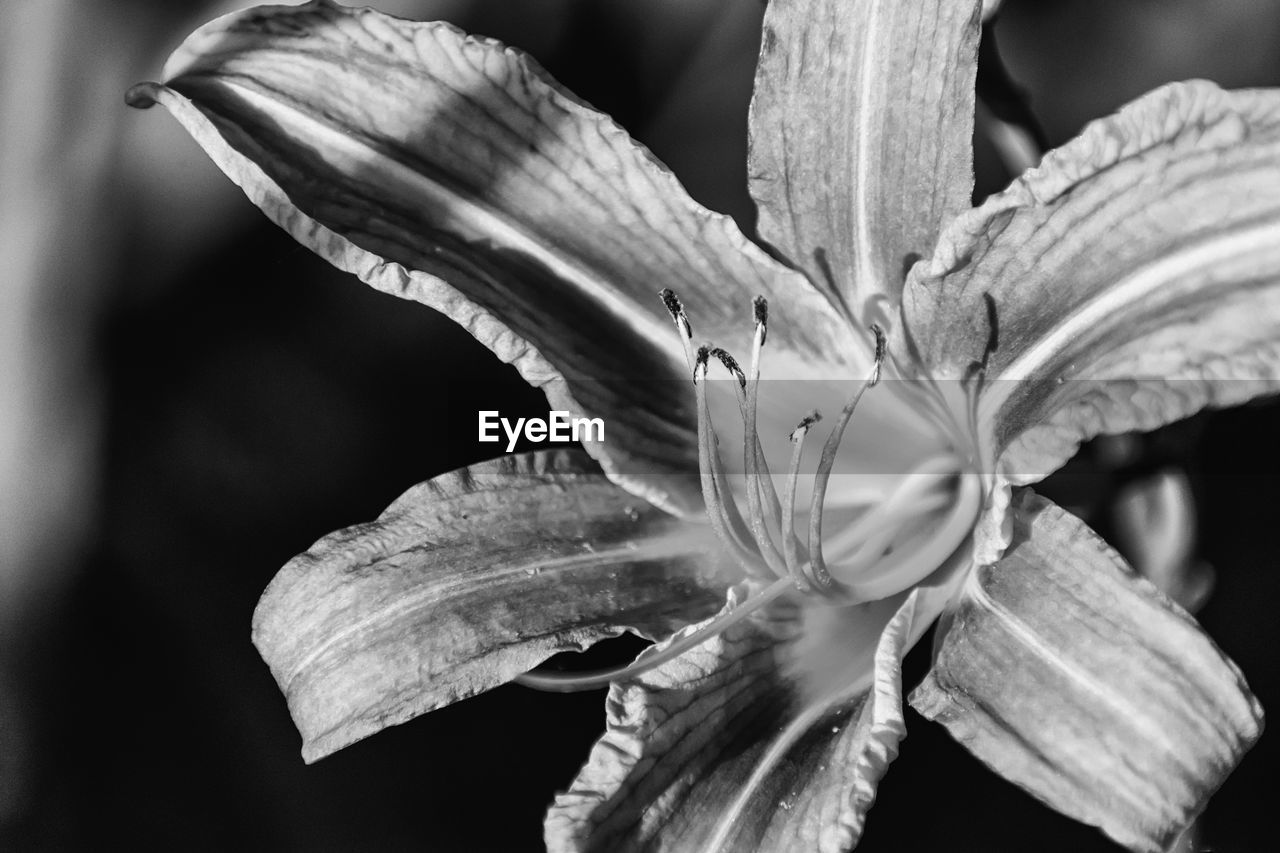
{"points": [[818, 573], [726, 523], [565, 682], [790, 542], [758, 476]]}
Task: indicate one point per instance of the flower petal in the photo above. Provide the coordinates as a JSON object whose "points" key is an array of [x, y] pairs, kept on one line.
{"points": [[466, 581], [862, 136], [1130, 280], [683, 741], [452, 171], [1073, 677]]}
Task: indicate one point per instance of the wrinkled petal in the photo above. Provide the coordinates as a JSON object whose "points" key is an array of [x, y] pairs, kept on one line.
{"points": [[466, 581], [452, 171], [862, 137], [1130, 280], [1073, 677], [683, 741]]}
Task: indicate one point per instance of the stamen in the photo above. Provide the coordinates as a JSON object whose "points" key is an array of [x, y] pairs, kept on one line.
{"points": [[754, 464], [781, 745], [758, 467], [817, 571], [566, 682], [722, 512], [790, 542], [753, 461]]}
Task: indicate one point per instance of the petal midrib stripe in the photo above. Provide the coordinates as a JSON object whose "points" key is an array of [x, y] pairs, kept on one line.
{"points": [[329, 140], [1147, 728], [1118, 300], [659, 547]]}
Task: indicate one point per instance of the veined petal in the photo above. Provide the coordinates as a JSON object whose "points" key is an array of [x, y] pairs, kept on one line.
{"points": [[1073, 677], [709, 707], [862, 137], [682, 764], [1130, 280], [452, 171], [466, 581]]}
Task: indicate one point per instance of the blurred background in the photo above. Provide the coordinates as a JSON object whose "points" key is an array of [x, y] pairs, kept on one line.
{"points": [[188, 399]]}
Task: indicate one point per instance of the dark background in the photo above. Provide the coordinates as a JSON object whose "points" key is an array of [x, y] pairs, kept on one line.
{"points": [[249, 399]]}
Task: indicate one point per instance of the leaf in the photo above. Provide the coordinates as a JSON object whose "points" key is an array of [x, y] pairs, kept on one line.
{"points": [[1073, 677], [466, 581], [452, 171], [862, 137], [1131, 280]]}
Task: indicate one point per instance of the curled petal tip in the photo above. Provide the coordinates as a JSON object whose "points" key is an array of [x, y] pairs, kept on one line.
{"points": [[142, 96]]}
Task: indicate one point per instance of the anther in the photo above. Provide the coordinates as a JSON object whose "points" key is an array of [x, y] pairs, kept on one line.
{"points": [[730, 364], [760, 306], [700, 361], [881, 345], [805, 424], [676, 310]]}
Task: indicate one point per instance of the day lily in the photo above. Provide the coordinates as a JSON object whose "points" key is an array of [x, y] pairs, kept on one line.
{"points": [[958, 354]]}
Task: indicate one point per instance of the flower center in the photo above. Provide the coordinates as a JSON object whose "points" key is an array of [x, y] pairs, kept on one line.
{"points": [[894, 543]]}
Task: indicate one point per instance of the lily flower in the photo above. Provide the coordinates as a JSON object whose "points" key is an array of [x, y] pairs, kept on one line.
{"points": [[958, 354]]}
